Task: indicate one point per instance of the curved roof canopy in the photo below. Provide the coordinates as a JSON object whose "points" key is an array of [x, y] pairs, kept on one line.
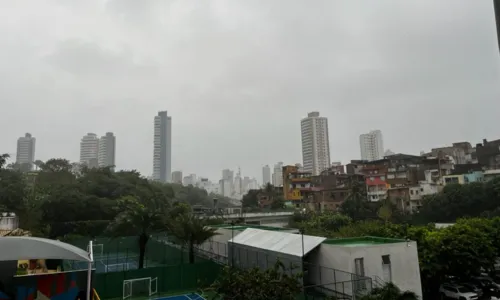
{"points": [[17, 248]]}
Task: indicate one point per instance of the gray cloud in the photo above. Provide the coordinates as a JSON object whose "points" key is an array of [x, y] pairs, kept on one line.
{"points": [[238, 75]]}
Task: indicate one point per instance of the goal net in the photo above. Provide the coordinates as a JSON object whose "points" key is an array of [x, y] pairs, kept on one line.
{"points": [[97, 250], [140, 287]]}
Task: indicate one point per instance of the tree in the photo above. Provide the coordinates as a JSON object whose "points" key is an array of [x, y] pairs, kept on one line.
{"points": [[251, 199], [3, 160], [389, 291], [255, 284], [138, 217], [356, 205], [190, 231]]}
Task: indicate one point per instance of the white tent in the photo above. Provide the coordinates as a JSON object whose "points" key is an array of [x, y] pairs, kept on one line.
{"points": [[19, 248]]}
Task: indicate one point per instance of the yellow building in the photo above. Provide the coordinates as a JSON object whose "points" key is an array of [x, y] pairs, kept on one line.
{"points": [[295, 183], [449, 179]]}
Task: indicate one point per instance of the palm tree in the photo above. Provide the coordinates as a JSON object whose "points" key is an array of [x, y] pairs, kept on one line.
{"points": [[140, 218], [190, 231], [389, 291]]}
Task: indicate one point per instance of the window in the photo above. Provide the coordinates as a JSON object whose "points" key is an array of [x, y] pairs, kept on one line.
{"points": [[411, 192]]}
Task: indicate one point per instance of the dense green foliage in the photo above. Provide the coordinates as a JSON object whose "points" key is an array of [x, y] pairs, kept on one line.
{"points": [[63, 200], [389, 292], [255, 284]]}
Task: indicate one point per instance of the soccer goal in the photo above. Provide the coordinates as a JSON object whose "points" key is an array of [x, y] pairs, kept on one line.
{"points": [[140, 287], [97, 250]]}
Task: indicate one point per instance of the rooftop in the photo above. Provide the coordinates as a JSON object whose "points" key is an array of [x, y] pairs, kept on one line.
{"points": [[362, 241], [241, 227]]}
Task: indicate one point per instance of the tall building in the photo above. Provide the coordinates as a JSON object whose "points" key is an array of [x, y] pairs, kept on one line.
{"points": [[315, 143], [371, 145], [278, 174], [89, 150], [162, 154], [228, 175], [177, 177], [107, 150], [25, 155], [266, 175]]}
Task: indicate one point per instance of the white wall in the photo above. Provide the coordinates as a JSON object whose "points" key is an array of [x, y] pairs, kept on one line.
{"points": [[404, 262]]}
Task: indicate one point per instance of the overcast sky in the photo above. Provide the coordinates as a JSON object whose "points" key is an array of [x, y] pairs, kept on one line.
{"points": [[238, 75]]}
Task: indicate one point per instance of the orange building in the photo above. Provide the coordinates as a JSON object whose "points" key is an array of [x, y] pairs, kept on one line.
{"points": [[295, 183]]}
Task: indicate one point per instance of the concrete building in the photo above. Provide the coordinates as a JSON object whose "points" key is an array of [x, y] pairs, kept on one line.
{"points": [[25, 154], [226, 187], [177, 177], [277, 179], [376, 182], [89, 150], [315, 143], [330, 189], [381, 259], [266, 175], [296, 185], [189, 180], [346, 268], [371, 145], [162, 153], [107, 150]]}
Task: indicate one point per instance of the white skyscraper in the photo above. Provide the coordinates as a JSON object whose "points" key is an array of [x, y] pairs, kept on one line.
{"points": [[266, 175], [107, 150], [371, 145], [162, 154], [25, 155], [315, 143], [278, 174], [89, 150]]}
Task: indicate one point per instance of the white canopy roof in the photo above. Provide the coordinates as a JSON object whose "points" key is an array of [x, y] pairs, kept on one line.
{"points": [[278, 241], [17, 248]]}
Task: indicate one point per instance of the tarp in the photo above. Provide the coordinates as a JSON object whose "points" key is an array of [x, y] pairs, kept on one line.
{"points": [[278, 241], [18, 248]]}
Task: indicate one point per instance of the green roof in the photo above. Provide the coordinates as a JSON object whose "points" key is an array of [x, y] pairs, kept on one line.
{"points": [[362, 241], [241, 227]]}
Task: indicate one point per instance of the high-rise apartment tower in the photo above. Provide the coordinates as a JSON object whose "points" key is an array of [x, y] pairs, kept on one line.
{"points": [[162, 154], [315, 143], [371, 145], [25, 155]]}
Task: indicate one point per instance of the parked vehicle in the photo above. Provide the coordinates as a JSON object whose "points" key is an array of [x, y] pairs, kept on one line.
{"points": [[459, 292], [474, 288]]}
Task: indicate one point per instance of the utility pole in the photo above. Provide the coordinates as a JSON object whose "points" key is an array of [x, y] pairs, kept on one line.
{"points": [[496, 7]]}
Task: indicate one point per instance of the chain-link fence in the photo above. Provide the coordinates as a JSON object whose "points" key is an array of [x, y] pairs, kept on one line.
{"points": [[156, 281], [122, 254]]}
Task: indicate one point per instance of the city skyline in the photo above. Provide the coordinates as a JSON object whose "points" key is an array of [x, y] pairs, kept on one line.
{"points": [[396, 68]]}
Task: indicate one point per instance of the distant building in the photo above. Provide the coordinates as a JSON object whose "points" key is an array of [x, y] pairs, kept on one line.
{"points": [[89, 150], [107, 150], [388, 152], [371, 145], [25, 155], [315, 143], [189, 180], [488, 154], [277, 179], [162, 153], [266, 175], [177, 177]]}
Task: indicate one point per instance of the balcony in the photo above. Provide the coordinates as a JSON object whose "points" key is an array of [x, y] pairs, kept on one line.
{"points": [[377, 193]]}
